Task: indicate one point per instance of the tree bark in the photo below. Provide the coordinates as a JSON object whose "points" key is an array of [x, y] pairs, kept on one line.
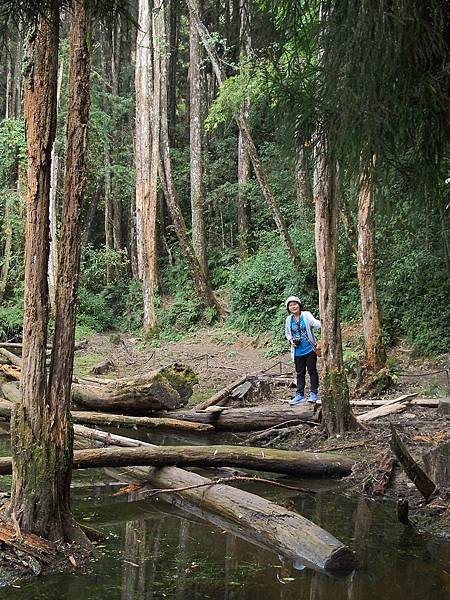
{"points": [[337, 413], [375, 354], [8, 230], [201, 281]]}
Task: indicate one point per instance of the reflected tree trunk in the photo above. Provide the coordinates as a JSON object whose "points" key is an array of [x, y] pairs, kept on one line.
{"points": [[182, 559]]}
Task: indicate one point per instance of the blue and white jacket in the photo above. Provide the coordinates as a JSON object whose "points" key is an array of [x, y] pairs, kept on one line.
{"points": [[310, 324]]}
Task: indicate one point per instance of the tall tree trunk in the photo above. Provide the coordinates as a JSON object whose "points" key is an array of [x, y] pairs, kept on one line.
{"points": [[243, 156], [36, 462], [337, 413], [8, 231], [375, 354], [53, 211], [242, 123], [146, 197], [195, 136], [173, 18], [200, 280], [109, 223]]}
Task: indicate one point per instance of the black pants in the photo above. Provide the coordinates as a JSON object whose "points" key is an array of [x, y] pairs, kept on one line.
{"points": [[307, 361]]}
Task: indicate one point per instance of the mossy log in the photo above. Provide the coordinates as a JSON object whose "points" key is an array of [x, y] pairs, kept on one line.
{"points": [[249, 516], [167, 388], [164, 389]]}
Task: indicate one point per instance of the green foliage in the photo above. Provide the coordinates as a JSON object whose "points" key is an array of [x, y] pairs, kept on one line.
{"points": [[11, 320], [94, 310], [261, 283], [234, 91]]}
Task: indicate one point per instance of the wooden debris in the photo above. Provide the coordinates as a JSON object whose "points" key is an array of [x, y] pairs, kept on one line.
{"points": [[221, 394], [426, 402], [437, 464], [415, 473], [392, 406], [379, 483], [11, 371], [102, 367]]}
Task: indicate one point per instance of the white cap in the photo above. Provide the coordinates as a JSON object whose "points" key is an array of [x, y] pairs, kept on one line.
{"points": [[292, 299]]}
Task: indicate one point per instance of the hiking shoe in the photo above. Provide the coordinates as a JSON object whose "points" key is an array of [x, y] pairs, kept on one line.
{"points": [[297, 399], [312, 397]]}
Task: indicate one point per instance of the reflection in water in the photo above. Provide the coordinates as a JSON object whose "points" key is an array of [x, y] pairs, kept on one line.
{"points": [[157, 552]]}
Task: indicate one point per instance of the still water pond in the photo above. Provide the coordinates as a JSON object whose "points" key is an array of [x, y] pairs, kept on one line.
{"points": [[157, 552]]}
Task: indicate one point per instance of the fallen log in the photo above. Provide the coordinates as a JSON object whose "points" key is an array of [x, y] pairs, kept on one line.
{"points": [[415, 473], [391, 406], [301, 464], [249, 419], [166, 388], [427, 402], [106, 419], [221, 394], [13, 358], [379, 483], [252, 518]]}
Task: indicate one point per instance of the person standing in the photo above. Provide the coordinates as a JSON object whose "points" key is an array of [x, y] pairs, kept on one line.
{"points": [[299, 332]]}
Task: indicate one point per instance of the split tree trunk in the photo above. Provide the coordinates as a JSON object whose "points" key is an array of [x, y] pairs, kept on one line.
{"points": [[375, 354], [41, 428], [75, 175], [337, 413], [36, 461]]}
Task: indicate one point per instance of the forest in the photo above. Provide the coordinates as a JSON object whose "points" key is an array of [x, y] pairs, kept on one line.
{"points": [[170, 173]]}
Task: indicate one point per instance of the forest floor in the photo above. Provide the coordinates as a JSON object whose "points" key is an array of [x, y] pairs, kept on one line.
{"points": [[220, 356]]}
